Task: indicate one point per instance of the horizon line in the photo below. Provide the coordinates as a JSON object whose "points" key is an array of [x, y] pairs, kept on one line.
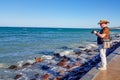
{"points": [[53, 27], [46, 27]]}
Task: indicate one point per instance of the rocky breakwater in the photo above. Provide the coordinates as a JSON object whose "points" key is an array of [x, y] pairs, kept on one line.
{"points": [[77, 73]]}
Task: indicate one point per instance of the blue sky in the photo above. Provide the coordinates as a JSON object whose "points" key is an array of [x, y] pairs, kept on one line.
{"points": [[59, 13]]}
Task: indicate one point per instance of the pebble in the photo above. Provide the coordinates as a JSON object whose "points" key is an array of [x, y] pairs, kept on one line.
{"points": [[33, 79], [45, 67], [13, 67], [56, 78], [77, 64], [26, 65], [81, 47], [45, 77], [37, 59], [62, 63], [36, 75], [57, 55], [17, 76], [69, 66], [87, 50], [78, 59], [78, 53]]}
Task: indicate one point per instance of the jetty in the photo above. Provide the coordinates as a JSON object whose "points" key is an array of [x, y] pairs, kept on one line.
{"points": [[112, 72]]}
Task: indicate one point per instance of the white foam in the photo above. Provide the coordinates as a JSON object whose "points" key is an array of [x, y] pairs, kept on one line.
{"points": [[67, 52], [31, 61], [20, 63], [3, 65], [47, 57], [83, 55], [89, 46], [92, 45], [83, 60]]}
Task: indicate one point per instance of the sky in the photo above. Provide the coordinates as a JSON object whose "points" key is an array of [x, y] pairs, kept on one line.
{"points": [[59, 13]]}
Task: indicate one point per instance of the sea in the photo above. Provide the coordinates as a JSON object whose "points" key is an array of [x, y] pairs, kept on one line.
{"points": [[21, 44], [25, 43]]}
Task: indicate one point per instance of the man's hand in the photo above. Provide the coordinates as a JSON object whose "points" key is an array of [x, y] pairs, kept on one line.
{"points": [[94, 32]]}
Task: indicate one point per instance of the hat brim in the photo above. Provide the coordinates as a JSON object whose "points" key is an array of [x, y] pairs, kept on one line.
{"points": [[103, 22]]}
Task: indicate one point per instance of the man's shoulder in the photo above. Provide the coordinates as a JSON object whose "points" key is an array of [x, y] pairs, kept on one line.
{"points": [[106, 28]]}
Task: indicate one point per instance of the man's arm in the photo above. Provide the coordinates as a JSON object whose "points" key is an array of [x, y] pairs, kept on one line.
{"points": [[100, 35]]}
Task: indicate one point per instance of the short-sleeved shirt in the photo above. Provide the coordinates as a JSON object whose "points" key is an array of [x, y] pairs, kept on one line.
{"points": [[105, 30]]}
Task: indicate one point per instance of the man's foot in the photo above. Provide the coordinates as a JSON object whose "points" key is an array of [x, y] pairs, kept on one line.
{"points": [[102, 68]]}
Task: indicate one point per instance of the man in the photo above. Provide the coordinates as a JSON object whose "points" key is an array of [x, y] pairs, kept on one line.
{"points": [[102, 36]]}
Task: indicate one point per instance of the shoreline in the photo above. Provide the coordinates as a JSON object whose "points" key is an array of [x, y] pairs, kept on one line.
{"points": [[83, 70], [60, 65]]}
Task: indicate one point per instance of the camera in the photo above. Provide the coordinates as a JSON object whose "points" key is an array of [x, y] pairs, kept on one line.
{"points": [[92, 31]]}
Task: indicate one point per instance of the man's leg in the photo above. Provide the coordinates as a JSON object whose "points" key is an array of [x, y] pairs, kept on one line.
{"points": [[103, 56]]}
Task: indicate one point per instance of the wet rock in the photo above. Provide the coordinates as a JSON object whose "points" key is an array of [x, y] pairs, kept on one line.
{"points": [[69, 66], [13, 67], [37, 59], [45, 77], [17, 76], [65, 58], [62, 63], [57, 78], [26, 65], [77, 64], [78, 59], [61, 72], [81, 47], [45, 67], [76, 50], [57, 55], [33, 79], [36, 75], [96, 50], [88, 58], [117, 36], [87, 50], [78, 53], [90, 53]]}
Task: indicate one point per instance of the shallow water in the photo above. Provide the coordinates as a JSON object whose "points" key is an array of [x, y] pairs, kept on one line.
{"points": [[19, 45]]}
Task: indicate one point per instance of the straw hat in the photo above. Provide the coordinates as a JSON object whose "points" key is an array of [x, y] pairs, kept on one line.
{"points": [[103, 21]]}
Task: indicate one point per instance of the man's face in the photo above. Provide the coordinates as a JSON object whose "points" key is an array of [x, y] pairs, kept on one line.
{"points": [[103, 25]]}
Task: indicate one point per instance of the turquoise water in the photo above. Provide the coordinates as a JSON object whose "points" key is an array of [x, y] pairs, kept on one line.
{"points": [[22, 43]]}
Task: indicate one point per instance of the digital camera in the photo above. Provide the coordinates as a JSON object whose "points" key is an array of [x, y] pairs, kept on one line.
{"points": [[92, 31]]}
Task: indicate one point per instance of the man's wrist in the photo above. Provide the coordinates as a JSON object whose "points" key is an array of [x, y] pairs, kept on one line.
{"points": [[95, 33]]}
